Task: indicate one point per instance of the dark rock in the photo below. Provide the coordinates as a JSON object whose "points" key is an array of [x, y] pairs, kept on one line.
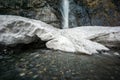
{"points": [[35, 9], [94, 12], [1, 57], [82, 12]]}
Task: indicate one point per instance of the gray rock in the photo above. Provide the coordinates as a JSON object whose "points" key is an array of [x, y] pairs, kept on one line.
{"points": [[82, 12]]}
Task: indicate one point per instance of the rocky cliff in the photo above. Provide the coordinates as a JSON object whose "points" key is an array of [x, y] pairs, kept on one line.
{"points": [[96, 12], [82, 12], [35, 9]]}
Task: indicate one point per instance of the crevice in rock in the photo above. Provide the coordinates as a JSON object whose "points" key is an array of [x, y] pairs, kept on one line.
{"points": [[21, 47]]}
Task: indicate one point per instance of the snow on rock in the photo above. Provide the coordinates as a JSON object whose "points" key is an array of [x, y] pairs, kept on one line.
{"points": [[110, 40], [61, 43], [15, 30]]}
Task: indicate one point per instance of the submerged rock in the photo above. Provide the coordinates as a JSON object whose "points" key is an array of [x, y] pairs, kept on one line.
{"points": [[15, 30]]}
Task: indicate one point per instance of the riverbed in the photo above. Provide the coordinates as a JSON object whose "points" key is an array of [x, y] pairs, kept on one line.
{"points": [[44, 64]]}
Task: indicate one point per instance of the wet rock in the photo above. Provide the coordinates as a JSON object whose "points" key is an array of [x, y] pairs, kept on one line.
{"points": [[1, 57]]}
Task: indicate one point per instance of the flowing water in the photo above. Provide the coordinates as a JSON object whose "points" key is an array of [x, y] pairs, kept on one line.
{"points": [[56, 65], [65, 13]]}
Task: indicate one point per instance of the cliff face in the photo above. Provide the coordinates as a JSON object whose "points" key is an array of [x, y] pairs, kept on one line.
{"points": [[35, 9], [97, 12], [82, 12]]}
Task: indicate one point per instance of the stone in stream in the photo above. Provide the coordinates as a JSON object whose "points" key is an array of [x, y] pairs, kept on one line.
{"points": [[1, 57]]}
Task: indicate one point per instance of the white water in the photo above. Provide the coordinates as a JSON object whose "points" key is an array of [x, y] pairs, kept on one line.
{"points": [[65, 13]]}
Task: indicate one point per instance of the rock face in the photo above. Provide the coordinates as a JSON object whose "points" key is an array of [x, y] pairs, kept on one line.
{"points": [[34, 9], [94, 12], [82, 12], [15, 30]]}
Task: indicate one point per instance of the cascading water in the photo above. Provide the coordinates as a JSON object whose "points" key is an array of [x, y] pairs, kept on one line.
{"points": [[65, 13]]}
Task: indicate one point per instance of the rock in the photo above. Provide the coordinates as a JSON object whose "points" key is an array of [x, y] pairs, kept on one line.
{"points": [[82, 12], [116, 53], [34, 9], [94, 12], [15, 30], [1, 57]]}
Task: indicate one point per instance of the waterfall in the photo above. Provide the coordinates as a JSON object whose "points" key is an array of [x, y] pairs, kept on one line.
{"points": [[65, 13]]}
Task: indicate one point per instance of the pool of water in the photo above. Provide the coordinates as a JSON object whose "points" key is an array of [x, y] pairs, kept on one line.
{"points": [[56, 65]]}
